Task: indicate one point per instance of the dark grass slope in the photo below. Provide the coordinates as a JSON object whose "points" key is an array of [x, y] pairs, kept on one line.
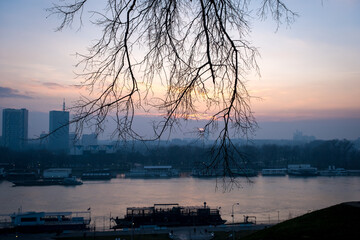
{"points": [[340, 222]]}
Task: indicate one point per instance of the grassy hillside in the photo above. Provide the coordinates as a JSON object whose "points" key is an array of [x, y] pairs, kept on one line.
{"points": [[340, 222]]}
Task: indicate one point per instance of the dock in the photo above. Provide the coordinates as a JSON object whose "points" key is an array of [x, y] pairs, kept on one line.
{"points": [[183, 233]]}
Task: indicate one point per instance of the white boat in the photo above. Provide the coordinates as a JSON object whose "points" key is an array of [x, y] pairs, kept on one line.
{"points": [[35, 222], [152, 172], [205, 172], [302, 170], [70, 181], [57, 173], [274, 172], [211, 172]]}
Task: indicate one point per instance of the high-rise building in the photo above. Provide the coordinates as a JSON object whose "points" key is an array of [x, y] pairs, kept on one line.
{"points": [[15, 128], [59, 130]]}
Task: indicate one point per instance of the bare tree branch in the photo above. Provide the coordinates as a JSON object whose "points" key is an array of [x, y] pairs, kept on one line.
{"points": [[200, 52]]}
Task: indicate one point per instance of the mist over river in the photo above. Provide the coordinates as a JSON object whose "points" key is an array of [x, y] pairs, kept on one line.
{"points": [[267, 198]]}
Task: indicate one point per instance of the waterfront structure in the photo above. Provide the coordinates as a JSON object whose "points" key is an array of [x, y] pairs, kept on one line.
{"points": [[203, 171], [274, 172], [57, 173], [59, 130], [169, 215], [302, 170], [152, 172], [37, 222], [15, 128]]}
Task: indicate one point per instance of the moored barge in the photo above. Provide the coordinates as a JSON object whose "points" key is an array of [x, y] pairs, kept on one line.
{"points": [[169, 215], [72, 181]]}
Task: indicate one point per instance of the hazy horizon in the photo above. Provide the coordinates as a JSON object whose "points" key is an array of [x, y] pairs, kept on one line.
{"points": [[323, 129]]}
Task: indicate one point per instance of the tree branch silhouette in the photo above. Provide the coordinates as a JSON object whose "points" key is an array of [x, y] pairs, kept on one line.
{"points": [[200, 52]]}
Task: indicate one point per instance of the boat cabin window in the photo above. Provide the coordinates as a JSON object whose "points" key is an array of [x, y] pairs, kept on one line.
{"points": [[134, 212], [204, 211], [193, 211], [140, 211], [77, 219], [28, 219], [49, 219], [148, 212], [63, 218], [214, 212], [184, 211]]}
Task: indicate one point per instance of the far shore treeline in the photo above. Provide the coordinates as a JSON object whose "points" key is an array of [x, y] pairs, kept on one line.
{"points": [[319, 153]]}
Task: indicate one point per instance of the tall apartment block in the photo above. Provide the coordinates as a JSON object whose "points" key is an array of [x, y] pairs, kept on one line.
{"points": [[15, 128], [59, 130]]}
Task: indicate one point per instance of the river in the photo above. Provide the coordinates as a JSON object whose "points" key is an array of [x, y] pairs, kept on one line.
{"points": [[267, 198]]}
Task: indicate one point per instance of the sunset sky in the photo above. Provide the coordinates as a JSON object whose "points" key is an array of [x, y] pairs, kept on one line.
{"points": [[310, 71]]}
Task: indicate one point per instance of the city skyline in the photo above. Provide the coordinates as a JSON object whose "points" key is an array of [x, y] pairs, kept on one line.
{"points": [[323, 130]]}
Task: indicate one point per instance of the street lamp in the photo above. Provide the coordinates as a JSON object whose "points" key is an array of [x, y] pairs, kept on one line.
{"points": [[232, 211]]}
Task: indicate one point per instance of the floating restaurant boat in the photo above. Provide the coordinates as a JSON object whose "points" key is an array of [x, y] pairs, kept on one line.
{"points": [[274, 172], [21, 174], [71, 181], [205, 172], [302, 170], [51, 176], [57, 173], [152, 172], [169, 215], [210, 172], [247, 172], [36, 222]]}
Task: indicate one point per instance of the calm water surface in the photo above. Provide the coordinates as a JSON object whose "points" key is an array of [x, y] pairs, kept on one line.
{"points": [[268, 198]]}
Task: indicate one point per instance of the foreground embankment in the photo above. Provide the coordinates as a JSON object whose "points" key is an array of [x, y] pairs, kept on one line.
{"points": [[338, 222]]}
